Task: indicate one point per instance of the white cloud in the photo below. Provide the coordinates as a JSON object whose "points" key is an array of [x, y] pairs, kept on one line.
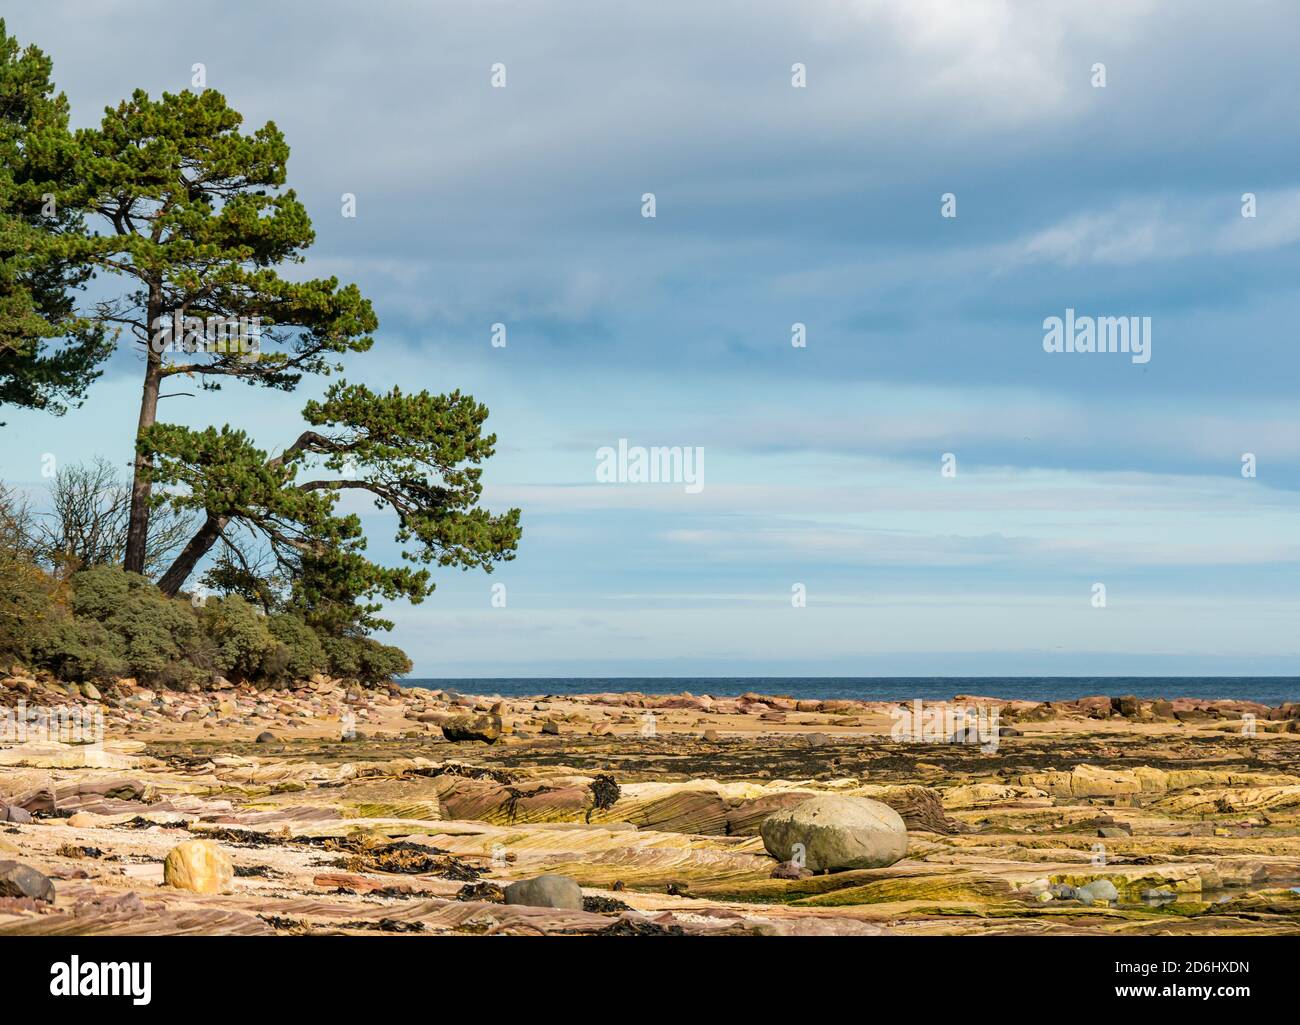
{"points": [[1160, 228]]}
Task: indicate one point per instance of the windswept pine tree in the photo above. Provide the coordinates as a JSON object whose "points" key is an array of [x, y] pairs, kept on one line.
{"points": [[415, 455], [198, 226], [48, 355]]}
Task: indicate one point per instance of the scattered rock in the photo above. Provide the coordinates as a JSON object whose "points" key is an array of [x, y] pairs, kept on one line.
{"points": [[351, 882], [200, 866], [461, 728], [266, 737], [1128, 706], [19, 880], [1038, 713], [69, 850]]}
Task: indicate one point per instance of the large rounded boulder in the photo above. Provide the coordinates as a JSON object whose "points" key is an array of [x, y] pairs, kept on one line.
{"points": [[836, 832], [549, 891]]}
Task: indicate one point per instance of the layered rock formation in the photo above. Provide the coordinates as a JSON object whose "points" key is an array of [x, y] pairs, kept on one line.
{"points": [[1092, 816]]}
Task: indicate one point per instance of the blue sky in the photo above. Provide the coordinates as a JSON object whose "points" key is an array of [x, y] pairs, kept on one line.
{"points": [[778, 205]]}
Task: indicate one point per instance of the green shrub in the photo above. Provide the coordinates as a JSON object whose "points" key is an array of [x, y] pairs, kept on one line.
{"points": [[365, 659], [27, 594], [299, 653], [102, 592], [381, 662], [240, 636], [78, 649], [26, 602], [120, 624], [343, 655], [152, 634]]}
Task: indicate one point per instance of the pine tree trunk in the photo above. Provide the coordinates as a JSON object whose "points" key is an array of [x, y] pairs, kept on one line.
{"points": [[137, 531], [199, 545]]}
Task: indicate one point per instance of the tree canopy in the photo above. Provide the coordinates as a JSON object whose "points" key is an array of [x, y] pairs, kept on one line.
{"points": [[48, 354]]}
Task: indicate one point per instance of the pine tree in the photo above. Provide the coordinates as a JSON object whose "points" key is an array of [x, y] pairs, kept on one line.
{"points": [[199, 226], [415, 455], [48, 355]]}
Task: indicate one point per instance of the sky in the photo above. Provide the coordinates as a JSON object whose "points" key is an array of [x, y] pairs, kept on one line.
{"points": [[775, 205]]}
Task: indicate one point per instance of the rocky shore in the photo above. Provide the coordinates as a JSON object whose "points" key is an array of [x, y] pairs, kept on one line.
{"points": [[329, 808]]}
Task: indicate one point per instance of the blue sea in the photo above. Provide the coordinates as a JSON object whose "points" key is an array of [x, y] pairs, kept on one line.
{"points": [[1270, 690]]}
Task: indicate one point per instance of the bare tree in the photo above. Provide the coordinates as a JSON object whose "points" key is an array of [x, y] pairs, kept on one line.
{"points": [[87, 525], [17, 524]]}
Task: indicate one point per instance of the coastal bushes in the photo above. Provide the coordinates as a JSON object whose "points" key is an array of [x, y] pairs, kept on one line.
{"points": [[365, 659], [26, 593], [103, 623], [241, 640], [298, 653], [72, 649]]}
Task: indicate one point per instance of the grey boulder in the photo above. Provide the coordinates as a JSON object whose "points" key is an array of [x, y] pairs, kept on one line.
{"points": [[17, 880], [1098, 890], [836, 832], [13, 813], [548, 891]]}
